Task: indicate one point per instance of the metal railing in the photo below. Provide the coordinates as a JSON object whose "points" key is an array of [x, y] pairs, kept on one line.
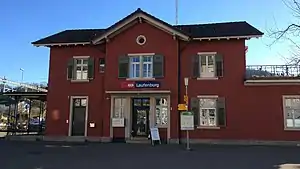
{"points": [[272, 72]]}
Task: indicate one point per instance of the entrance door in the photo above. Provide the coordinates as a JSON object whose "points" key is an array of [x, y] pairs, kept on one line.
{"points": [[78, 117], [140, 117]]}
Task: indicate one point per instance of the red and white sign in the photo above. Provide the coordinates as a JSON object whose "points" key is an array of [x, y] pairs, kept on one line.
{"points": [[126, 85]]}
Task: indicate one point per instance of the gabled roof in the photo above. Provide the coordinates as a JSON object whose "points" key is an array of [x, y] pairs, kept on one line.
{"points": [[194, 31], [140, 15]]}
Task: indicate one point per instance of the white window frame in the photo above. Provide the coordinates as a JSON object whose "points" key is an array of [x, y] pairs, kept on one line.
{"points": [[206, 74], [121, 107], [162, 106], [207, 108], [141, 64], [81, 65], [285, 112]]}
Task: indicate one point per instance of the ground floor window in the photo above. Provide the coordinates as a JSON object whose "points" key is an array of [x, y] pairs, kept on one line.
{"points": [[209, 111], [161, 114], [292, 111], [119, 107]]}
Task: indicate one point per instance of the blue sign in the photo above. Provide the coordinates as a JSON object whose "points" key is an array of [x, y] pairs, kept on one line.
{"points": [[147, 84]]}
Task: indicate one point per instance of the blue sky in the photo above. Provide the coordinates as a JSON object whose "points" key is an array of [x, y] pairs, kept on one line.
{"points": [[25, 21]]}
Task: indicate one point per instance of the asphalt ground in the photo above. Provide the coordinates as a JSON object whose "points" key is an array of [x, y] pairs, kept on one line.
{"points": [[49, 155]]}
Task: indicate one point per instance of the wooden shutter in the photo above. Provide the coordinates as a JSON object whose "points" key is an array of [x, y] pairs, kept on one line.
{"points": [[195, 66], [71, 69], [91, 68], [221, 113], [195, 109], [158, 66], [123, 66], [219, 65]]}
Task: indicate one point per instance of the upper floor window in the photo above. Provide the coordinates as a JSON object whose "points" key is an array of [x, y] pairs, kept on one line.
{"points": [[80, 68], [141, 66], [101, 65], [207, 65], [292, 112]]}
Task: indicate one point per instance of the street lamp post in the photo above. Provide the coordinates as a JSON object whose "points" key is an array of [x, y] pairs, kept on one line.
{"points": [[186, 83], [22, 72]]}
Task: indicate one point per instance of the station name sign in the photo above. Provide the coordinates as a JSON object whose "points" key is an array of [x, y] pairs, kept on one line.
{"points": [[140, 84]]}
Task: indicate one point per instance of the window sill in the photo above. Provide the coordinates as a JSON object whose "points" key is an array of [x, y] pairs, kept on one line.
{"points": [[207, 78], [140, 79], [207, 127], [80, 81], [291, 129], [161, 126]]}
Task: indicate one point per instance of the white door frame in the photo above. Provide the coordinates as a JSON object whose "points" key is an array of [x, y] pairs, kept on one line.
{"points": [[128, 112], [71, 114]]}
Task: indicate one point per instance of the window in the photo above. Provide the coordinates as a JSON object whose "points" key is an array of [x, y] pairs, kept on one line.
{"points": [[141, 66], [292, 112], [161, 111], [209, 111], [102, 65], [207, 65], [119, 107], [80, 102], [80, 68]]}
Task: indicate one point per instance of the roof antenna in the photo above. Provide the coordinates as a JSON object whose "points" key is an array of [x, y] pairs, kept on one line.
{"points": [[176, 12]]}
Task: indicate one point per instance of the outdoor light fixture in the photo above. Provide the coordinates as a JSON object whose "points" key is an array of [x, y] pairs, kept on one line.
{"points": [[186, 81]]}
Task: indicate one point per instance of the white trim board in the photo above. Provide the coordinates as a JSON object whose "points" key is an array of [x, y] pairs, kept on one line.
{"points": [[137, 92], [147, 18]]}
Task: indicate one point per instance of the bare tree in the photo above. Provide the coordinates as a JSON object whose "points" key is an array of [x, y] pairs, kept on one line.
{"points": [[290, 33]]}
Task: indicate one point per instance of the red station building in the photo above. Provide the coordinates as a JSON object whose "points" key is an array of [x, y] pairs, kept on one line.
{"points": [[117, 82]]}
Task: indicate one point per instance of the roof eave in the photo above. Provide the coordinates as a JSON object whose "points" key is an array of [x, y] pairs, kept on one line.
{"points": [[229, 37], [60, 44]]}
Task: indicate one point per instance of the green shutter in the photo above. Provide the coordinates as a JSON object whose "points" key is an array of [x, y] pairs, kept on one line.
{"points": [[70, 69], [195, 66], [91, 68], [219, 65], [221, 113], [158, 66], [123, 66], [195, 109]]}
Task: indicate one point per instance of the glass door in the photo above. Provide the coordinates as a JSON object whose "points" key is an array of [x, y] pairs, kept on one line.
{"points": [[140, 117]]}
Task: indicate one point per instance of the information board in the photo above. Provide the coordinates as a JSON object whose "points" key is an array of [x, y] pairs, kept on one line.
{"points": [[154, 134], [187, 120]]}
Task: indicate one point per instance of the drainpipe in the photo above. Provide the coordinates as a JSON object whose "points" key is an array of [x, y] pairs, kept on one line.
{"points": [[179, 90]]}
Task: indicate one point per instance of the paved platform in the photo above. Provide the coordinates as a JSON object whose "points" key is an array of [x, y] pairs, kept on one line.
{"points": [[49, 155]]}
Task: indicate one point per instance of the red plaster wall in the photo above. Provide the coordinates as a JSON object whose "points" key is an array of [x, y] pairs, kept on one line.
{"points": [[158, 42], [252, 112], [60, 89]]}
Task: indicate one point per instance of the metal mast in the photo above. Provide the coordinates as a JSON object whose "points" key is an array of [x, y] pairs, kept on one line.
{"points": [[176, 12]]}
